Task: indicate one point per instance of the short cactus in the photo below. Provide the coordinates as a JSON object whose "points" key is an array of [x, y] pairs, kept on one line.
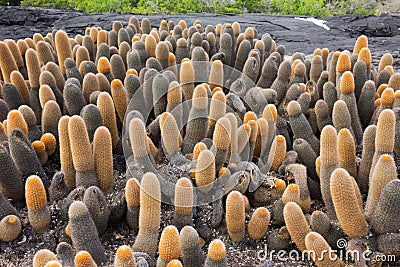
{"points": [[296, 224], [258, 223], [169, 246], [96, 203], [183, 202], [216, 254], [317, 246], [124, 257], [84, 259], [235, 216], [10, 228], [43, 256], [36, 202]]}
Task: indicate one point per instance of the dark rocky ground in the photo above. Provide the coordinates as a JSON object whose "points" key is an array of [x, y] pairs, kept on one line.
{"points": [[296, 35]]}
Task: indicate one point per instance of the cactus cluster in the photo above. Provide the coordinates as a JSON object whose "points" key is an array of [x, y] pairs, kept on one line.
{"points": [[218, 122]]}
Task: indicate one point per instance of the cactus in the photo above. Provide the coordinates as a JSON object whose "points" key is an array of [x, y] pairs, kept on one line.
{"points": [[15, 120], [124, 257], [81, 152], [197, 122], [72, 70], [300, 126], [96, 203], [320, 222], [235, 216], [190, 247], [132, 195], [384, 171], [73, 99], [296, 224], [221, 140], [43, 256], [170, 134], [149, 215], [11, 96], [347, 95], [92, 116], [66, 160], [169, 246], [18, 81], [347, 208], [322, 114], [346, 152], [84, 259], [106, 107], [183, 202], [258, 223], [385, 218], [205, 170], [40, 151], [10, 228], [65, 254], [103, 159], [58, 189], [365, 103], [298, 172], [7, 62], [45, 94], [36, 202], [216, 254], [84, 234], [50, 116], [318, 248], [63, 48], [277, 153], [366, 157], [328, 163], [25, 157]]}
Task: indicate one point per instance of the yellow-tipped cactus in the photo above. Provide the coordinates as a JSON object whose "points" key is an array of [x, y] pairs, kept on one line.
{"points": [[291, 194], [124, 257], [216, 254], [40, 150], [149, 215], [318, 248], [19, 81], [277, 153], [258, 224], [169, 246], [7, 62], [67, 166], [205, 170], [81, 150], [171, 137], [235, 216], [36, 202], [347, 208], [296, 224], [183, 203], [186, 77], [384, 172], [119, 97], [106, 106], [49, 142], [63, 48], [346, 152], [103, 159], [16, 120], [84, 259], [221, 140]]}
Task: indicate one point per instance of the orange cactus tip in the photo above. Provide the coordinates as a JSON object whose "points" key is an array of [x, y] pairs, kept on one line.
{"points": [[68, 230], [325, 51], [174, 263], [192, 174], [377, 103], [262, 211], [317, 52], [254, 53], [135, 38], [252, 123], [12, 219], [38, 146], [280, 139], [397, 94], [344, 63], [249, 116], [389, 69], [303, 87], [202, 242], [198, 26], [217, 250], [317, 213], [217, 63], [386, 158], [222, 171], [104, 65], [344, 131], [387, 96], [216, 89], [185, 60], [53, 263], [309, 111], [365, 55], [361, 42], [124, 252], [377, 95], [132, 71], [83, 258], [171, 57], [247, 127], [116, 83], [228, 25], [293, 188], [337, 54], [280, 184], [164, 22], [381, 88], [171, 32], [347, 83]]}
